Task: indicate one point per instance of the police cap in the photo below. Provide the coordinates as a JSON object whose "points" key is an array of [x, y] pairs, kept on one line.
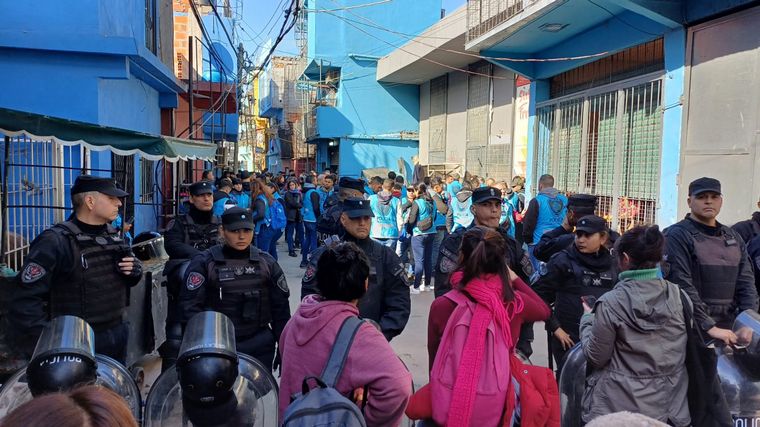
{"points": [[201, 187], [356, 207], [591, 224], [581, 201], [352, 183], [87, 183], [484, 194], [234, 219], [704, 185]]}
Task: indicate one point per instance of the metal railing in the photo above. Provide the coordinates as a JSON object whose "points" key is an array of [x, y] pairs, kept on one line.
{"points": [[485, 15], [605, 143]]}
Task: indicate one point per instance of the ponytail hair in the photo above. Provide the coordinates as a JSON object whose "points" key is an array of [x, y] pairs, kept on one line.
{"points": [[482, 252], [644, 246]]}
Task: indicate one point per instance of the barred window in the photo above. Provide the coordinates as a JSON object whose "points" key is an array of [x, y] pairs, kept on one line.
{"points": [[147, 180]]}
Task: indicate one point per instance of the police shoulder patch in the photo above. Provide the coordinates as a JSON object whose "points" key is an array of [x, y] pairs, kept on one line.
{"points": [[282, 284], [32, 272], [311, 270], [194, 281]]}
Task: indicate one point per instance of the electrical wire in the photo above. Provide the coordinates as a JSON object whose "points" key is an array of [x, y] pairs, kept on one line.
{"points": [[224, 27], [350, 7], [423, 58], [474, 55], [293, 10]]}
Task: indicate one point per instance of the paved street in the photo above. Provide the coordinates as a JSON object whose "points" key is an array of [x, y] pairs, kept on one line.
{"points": [[411, 345]]}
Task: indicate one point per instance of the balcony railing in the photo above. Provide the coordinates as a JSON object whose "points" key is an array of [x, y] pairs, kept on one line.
{"points": [[485, 15]]}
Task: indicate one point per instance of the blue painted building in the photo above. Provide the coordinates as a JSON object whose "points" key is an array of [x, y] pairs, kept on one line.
{"points": [[98, 62], [356, 122], [613, 108]]}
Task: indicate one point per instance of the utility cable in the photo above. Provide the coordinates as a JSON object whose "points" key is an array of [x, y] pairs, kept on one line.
{"points": [[474, 55]]}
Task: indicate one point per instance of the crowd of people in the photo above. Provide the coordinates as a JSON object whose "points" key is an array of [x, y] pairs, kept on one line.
{"points": [[496, 263]]}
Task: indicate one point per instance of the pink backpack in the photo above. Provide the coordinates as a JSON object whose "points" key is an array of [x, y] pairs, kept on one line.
{"points": [[495, 374]]}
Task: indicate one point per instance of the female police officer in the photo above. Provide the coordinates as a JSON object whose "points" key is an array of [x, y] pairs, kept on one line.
{"points": [[242, 282], [586, 268]]}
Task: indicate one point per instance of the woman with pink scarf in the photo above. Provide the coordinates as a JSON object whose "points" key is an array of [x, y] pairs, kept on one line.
{"points": [[502, 303]]}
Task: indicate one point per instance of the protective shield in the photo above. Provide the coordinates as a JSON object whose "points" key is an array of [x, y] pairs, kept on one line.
{"points": [[739, 370], [64, 356], [253, 401], [207, 333], [572, 382], [149, 246], [110, 373]]}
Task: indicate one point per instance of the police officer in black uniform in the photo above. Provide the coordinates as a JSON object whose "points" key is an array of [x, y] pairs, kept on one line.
{"points": [[79, 267], [584, 268], [329, 224], [709, 261], [241, 282], [187, 236], [387, 299], [553, 241], [486, 209]]}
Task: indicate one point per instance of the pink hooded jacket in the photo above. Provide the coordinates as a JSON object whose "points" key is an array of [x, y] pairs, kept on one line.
{"points": [[306, 342]]}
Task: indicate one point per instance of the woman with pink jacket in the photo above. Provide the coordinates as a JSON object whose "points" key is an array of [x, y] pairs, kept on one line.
{"points": [[308, 338]]}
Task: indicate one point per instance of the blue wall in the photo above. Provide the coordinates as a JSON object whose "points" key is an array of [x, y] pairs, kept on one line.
{"points": [[87, 61], [366, 109], [358, 154]]}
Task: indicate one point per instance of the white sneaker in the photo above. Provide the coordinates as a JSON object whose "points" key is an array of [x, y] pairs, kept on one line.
{"points": [[422, 288], [414, 291]]}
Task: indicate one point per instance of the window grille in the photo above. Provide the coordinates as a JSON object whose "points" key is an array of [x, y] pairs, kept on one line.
{"points": [[607, 144], [147, 180], [438, 100], [39, 178]]}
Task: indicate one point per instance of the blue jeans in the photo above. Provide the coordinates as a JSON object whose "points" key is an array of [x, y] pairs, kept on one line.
{"points": [[536, 264], [309, 242], [290, 229], [267, 238], [422, 248]]}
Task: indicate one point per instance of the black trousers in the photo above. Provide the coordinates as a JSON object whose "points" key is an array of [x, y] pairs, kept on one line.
{"points": [[112, 342], [260, 345]]}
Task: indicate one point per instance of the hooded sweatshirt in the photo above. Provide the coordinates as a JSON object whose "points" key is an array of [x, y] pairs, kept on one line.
{"points": [[306, 343], [636, 344]]}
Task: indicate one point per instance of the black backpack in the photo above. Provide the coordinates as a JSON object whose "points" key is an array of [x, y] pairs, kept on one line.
{"points": [[324, 405]]}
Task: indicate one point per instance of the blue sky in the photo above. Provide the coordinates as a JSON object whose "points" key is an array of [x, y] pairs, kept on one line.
{"points": [[257, 13]]}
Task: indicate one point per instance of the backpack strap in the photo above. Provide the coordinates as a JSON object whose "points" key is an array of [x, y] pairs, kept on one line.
{"points": [[339, 354]]}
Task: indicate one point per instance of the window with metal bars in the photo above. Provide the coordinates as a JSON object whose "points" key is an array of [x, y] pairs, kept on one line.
{"points": [[438, 101], [605, 143], [147, 180]]}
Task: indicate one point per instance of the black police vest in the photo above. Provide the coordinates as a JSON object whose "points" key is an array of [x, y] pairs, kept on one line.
{"points": [[95, 290], [328, 224], [239, 288], [568, 306], [715, 268], [200, 236]]}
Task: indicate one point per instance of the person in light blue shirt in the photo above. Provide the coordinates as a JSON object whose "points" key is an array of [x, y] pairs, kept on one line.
{"points": [[385, 207], [453, 186], [242, 198], [507, 220], [222, 198]]}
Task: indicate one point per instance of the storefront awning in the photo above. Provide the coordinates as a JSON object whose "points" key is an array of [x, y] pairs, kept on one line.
{"points": [[98, 138]]}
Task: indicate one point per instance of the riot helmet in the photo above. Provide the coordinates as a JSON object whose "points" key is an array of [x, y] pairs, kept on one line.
{"points": [[212, 385], [64, 356]]}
